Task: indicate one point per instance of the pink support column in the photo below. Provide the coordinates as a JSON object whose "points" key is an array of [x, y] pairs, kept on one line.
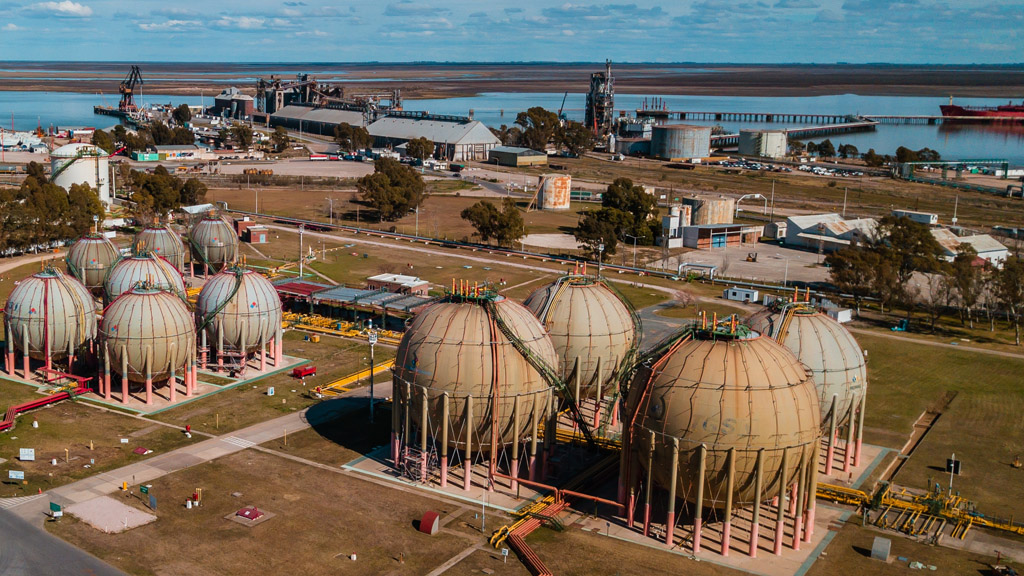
{"points": [[533, 468], [670, 528], [394, 448], [809, 524], [615, 414], [697, 522], [71, 364], [515, 474], [647, 518], [779, 530], [149, 391], [124, 389], [630, 510], [172, 395], [444, 471], [467, 477], [797, 530], [195, 380], [856, 453], [792, 500], [26, 373], [10, 362], [726, 534], [597, 413], [106, 386], [263, 358], [847, 455]]}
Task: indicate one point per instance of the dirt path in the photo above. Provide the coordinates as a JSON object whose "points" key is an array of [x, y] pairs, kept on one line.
{"points": [[12, 263], [937, 344]]}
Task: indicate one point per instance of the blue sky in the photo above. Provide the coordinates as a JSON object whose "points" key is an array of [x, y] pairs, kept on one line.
{"points": [[898, 31]]}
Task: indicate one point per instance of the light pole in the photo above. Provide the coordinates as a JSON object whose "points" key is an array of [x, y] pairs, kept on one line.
{"points": [[301, 255], [634, 247], [600, 258], [372, 338], [257, 191], [331, 203]]}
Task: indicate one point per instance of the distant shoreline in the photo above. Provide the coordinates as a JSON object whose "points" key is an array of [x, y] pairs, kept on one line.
{"points": [[462, 80]]}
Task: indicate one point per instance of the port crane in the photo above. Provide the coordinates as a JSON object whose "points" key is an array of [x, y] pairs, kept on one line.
{"points": [[127, 90]]}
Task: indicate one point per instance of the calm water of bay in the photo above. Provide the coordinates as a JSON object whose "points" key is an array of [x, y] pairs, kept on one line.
{"points": [[62, 109]]}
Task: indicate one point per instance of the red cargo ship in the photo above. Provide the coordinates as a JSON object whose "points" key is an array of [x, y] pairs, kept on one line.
{"points": [[1010, 110]]}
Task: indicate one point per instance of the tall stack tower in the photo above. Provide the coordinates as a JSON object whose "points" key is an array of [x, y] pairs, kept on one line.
{"points": [[601, 101]]}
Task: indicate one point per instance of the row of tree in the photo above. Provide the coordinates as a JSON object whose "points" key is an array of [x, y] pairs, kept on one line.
{"points": [[538, 127], [885, 265], [825, 149], [40, 212]]}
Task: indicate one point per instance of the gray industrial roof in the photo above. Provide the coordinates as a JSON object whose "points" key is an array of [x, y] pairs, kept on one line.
{"points": [[433, 129], [325, 115]]}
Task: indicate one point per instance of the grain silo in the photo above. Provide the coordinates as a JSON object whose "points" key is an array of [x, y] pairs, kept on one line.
{"points": [[723, 419], [837, 365], [679, 142], [148, 336], [81, 164], [89, 260], [593, 330], [159, 239], [472, 374], [48, 317], [710, 210], [554, 192], [143, 267], [214, 244], [238, 313]]}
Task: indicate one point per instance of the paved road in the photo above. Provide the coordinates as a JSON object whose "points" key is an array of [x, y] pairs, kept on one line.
{"points": [[27, 549]]}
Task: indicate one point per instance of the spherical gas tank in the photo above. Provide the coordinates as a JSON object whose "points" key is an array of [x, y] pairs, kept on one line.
{"points": [[89, 260], [723, 391], [835, 359], [589, 324], [50, 311], [152, 330], [239, 307], [141, 268], [459, 347], [214, 243], [159, 239]]}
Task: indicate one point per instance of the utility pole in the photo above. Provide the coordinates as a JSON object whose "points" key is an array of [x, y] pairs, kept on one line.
{"points": [[846, 191], [331, 201], [634, 248], [772, 217], [600, 258], [372, 338], [301, 255]]}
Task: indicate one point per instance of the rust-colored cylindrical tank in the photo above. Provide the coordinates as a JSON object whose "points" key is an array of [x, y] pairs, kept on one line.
{"points": [[722, 392], [89, 260], [213, 243], [458, 347], [588, 324], [829, 351], [50, 312], [240, 308], [159, 239], [143, 267], [150, 328]]}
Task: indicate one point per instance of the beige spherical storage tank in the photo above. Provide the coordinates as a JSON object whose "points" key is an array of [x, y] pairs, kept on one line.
{"points": [[148, 335], [836, 363], [48, 316], [239, 312], [591, 328], [461, 382], [143, 267], [723, 419], [89, 260], [213, 243], [159, 239]]}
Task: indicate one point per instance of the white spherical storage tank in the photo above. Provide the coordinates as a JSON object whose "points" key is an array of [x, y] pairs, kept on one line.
{"points": [[81, 164]]}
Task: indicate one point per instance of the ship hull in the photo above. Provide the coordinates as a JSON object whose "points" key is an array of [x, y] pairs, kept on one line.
{"points": [[1014, 112]]}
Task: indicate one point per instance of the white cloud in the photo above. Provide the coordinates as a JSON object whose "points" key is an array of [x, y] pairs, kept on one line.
{"points": [[65, 8], [240, 22], [170, 25], [11, 27]]}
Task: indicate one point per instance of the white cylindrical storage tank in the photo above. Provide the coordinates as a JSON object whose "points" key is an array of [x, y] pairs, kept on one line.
{"points": [[240, 308], [150, 331], [50, 313], [81, 164], [554, 192], [680, 142], [214, 243]]}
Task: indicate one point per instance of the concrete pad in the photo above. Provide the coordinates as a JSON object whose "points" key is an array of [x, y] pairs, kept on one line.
{"points": [[108, 515], [563, 241]]}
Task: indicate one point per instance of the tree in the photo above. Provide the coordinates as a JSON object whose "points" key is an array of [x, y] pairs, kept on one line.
{"points": [[505, 225], [420, 148], [393, 189], [873, 159], [812, 148], [242, 135], [795, 146], [279, 138], [904, 154], [908, 245], [598, 227], [576, 138], [848, 151], [638, 208], [1009, 285], [103, 141], [936, 297], [968, 281], [826, 149], [539, 126], [852, 270], [182, 114], [351, 137], [509, 136], [193, 192]]}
